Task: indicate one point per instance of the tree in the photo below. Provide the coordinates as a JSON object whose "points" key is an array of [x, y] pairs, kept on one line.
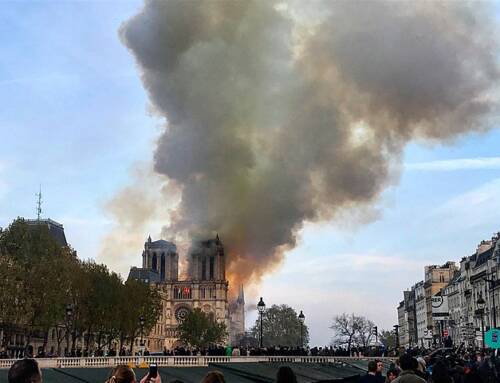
{"points": [[40, 279], [281, 327], [137, 299], [37, 259], [200, 331], [365, 332], [352, 329], [388, 339]]}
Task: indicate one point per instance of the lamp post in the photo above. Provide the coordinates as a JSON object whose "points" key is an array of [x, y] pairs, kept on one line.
{"points": [[492, 285], [480, 311], [141, 323], [70, 326], [302, 318], [261, 306]]}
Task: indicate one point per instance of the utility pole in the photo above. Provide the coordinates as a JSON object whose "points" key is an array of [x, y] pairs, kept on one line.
{"points": [[396, 332]]}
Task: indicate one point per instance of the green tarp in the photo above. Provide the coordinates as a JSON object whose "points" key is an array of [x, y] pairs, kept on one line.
{"points": [[233, 372]]}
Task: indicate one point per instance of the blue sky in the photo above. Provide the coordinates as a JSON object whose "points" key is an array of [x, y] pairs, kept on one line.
{"points": [[75, 119]]}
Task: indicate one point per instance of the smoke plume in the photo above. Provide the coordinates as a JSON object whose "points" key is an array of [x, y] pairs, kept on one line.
{"points": [[281, 113]]}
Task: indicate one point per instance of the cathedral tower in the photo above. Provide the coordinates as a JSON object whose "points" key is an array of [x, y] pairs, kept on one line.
{"points": [[208, 261], [162, 257]]}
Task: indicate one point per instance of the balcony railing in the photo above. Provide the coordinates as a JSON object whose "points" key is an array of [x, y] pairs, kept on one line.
{"points": [[180, 361]]}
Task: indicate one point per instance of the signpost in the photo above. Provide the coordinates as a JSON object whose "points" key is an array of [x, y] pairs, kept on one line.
{"points": [[492, 338], [440, 307]]}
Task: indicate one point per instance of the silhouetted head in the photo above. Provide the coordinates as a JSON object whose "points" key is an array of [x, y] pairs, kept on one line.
{"points": [[407, 362], [285, 375], [122, 374], [372, 366], [214, 377], [25, 371]]}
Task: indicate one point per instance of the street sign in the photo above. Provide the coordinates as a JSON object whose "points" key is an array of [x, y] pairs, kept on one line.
{"points": [[440, 307], [492, 338]]}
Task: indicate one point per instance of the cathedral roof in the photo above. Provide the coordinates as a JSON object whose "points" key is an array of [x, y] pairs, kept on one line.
{"points": [[144, 275]]}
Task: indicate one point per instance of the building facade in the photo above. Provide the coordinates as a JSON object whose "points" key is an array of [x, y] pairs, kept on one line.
{"points": [[206, 288], [421, 315], [477, 277]]}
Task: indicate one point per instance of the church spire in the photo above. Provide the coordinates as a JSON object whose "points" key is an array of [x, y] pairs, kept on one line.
{"points": [[241, 295]]}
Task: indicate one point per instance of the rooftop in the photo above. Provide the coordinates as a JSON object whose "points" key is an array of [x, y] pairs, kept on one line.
{"points": [[55, 229]]}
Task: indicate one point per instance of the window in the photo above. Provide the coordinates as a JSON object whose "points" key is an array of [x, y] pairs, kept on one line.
{"points": [[154, 262], [212, 261], [162, 267], [204, 269], [182, 292]]}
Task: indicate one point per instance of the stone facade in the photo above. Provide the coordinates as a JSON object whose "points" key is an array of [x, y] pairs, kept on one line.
{"points": [[206, 288], [478, 276]]}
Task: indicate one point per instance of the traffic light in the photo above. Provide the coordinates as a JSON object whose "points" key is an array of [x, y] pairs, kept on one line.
{"points": [[375, 330]]}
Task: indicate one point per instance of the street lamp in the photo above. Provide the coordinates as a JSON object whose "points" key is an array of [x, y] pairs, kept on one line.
{"points": [[481, 304], [261, 306], [141, 323], [492, 285], [70, 325], [302, 318]]}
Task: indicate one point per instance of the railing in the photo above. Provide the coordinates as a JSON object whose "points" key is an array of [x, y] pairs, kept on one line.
{"points": [[179, 361]]}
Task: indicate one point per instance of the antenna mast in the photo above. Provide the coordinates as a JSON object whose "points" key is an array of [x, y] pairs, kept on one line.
{"points": [[39, 204]]}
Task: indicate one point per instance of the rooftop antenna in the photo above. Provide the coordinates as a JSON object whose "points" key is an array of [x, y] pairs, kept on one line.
{"points": [[39, 204]]}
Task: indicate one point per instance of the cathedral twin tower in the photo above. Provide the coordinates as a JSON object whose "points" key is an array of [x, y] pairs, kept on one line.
{"points": [[205, 288], [206, 260]]}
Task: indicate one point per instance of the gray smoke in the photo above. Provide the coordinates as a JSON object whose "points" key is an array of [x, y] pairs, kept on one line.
{"points": [[278, 114]]}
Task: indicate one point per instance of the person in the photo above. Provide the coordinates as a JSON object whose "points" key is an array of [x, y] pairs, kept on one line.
{"points": [[214, 377], [391, 375], [122, 374], [408, 364], [147, 379], [440, 373], [236, 351], [380, 370], [285, 375], [25, 371], [371, 376]]}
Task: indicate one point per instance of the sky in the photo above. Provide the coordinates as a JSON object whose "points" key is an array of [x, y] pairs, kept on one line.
{"points": [[76, 120]]}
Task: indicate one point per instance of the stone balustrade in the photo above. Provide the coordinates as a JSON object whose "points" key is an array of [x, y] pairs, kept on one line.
{"points": [[179, 361]]}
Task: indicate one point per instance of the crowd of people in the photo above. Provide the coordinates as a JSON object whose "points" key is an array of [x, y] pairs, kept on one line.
{"points": [[444, 366], [413, 366], [27, 371]]}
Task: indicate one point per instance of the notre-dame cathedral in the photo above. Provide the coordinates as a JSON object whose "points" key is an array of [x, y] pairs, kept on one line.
{"points": [[206, 287]]}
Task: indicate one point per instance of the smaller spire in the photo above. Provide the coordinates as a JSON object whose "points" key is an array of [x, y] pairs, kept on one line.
{"points": [[217, 237], [241, 295], [149, 238]]}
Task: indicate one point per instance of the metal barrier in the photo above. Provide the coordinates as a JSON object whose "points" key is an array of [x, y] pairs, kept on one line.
{"points": [[180, 361]]}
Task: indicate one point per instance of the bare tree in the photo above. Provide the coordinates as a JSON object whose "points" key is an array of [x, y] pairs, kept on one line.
{"points": [[365, 331], [352, 329]]}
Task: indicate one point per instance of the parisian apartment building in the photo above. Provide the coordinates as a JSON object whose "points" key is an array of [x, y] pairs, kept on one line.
{"points": [[456, 301]]}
